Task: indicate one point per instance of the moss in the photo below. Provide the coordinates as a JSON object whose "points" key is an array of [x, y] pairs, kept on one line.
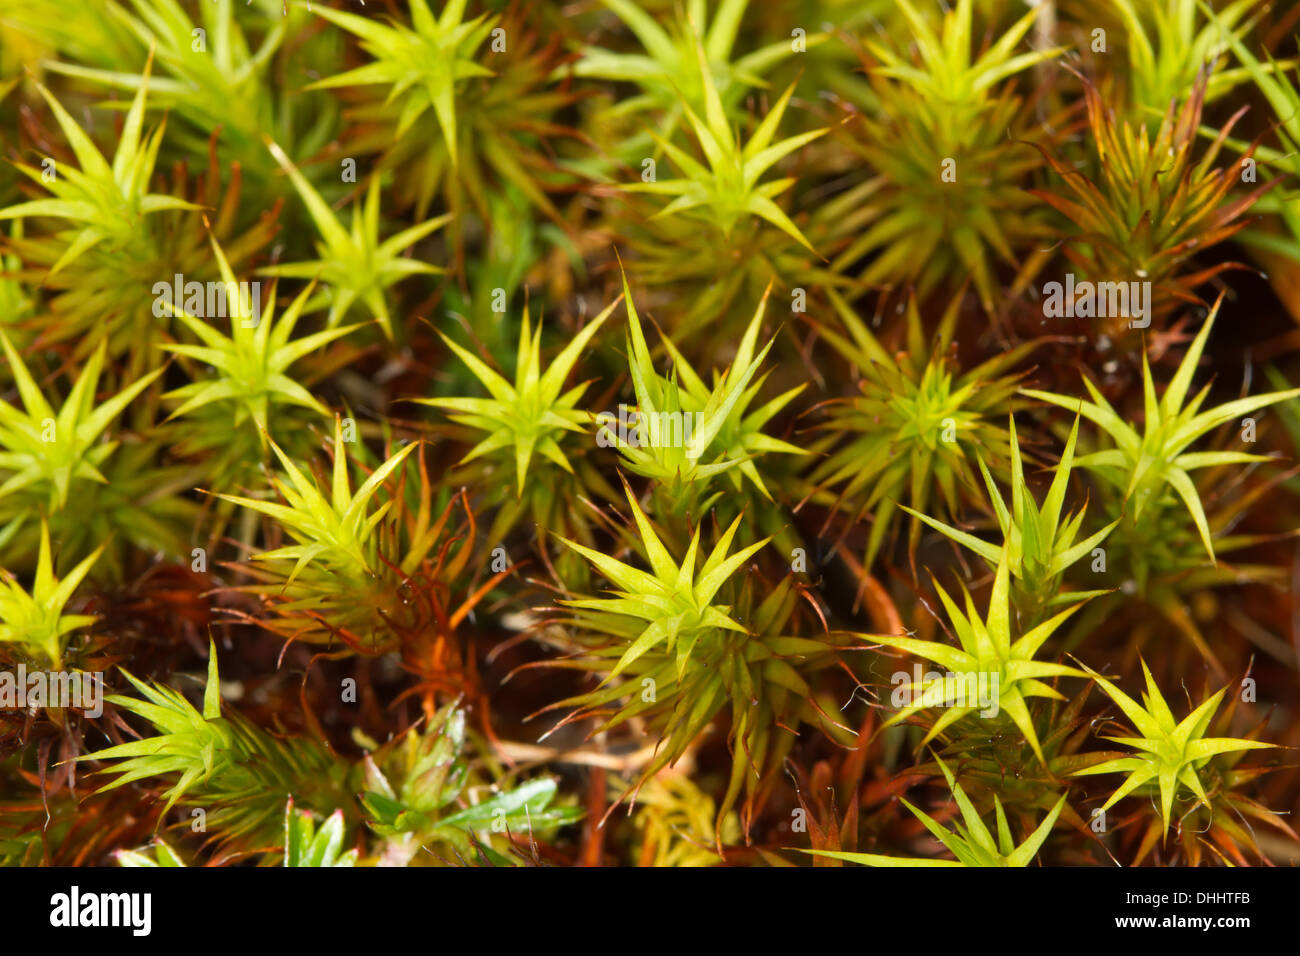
{"points": [[498, 575]]}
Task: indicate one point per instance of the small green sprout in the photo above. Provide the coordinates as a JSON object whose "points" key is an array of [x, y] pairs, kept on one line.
{"points": [[531, 415], [417, 793], [987, 656], [35, 622], [305, 846], [1172, 753], [159, 854], [1148, 465], [103, 203], [1040, 546], [333, 531], [972, 843], [43, 453], [727, 189], [252, 362], [422, 63], [675, 602], [688, 432], [917, 424], [355, 266]]}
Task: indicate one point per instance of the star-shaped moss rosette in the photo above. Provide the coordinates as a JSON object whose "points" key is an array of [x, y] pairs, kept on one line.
{"points": [[674, 602], [764, 669], [34, 621], [530, 451], [1151, 207], [970, 842], [687, 433], [333, 531], [670, 75], [43, 453], [1228, 829], [987, 662], [530, 415], [1162, 581], [728, 190], [378, 568], [224, 88], [102, 203], [663, 628], [111, 292], [494, 152], [343, 576], [912, 431], [945, 137], [355, 267], [1040, 545], [103, 207], [1171, 753], [423, 63], [251, 363], [1152, 465]]}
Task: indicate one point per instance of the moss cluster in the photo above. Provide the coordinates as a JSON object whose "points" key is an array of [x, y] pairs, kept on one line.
{"points": [[634, 432]]}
